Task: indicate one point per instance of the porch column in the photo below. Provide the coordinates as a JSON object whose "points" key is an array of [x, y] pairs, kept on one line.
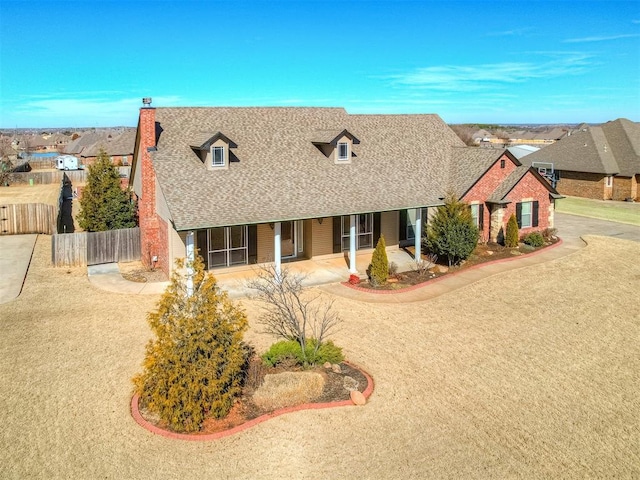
{"points": [[352, 244], [191, 256], [277, 247], [417, 228]]}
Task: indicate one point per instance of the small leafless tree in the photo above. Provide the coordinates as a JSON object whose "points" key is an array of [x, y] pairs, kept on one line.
{"points": [[6, 165], [290, 312]]}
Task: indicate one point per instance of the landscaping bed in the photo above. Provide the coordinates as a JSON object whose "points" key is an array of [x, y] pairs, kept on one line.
{"points": [[245, 409], [483, 253]]}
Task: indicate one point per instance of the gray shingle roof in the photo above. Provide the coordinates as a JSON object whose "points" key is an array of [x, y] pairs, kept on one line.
{"points": [[114, 142], [610, 149], [467, 165], [402, 161], [500, 193]]}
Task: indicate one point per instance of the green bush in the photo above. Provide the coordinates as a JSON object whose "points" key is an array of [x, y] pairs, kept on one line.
{"points": [[194, 367], [379, 268], [512, 236], [534, 239], [289, 351], [452, 232]]}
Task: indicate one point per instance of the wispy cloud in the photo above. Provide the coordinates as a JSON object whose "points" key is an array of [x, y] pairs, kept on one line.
{"points": [[481, 77], [52, 109], [509, 33], [601, 38]]}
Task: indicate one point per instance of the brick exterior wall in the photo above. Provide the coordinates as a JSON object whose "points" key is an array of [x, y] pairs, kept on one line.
{"points": [[625, 187], [496, 218], [485, 187], [153, 230], [580, 184], [529, 188]]}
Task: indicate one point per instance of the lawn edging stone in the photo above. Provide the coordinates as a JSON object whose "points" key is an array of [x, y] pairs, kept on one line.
{"points": [[195, 437], [442, 277]]}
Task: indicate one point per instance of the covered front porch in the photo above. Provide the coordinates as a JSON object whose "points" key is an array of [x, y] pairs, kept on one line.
{"points": [[344, 237], [317, 271]]}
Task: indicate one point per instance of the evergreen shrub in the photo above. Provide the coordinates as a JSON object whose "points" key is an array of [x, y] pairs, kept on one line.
{"points": [[512, 236]]}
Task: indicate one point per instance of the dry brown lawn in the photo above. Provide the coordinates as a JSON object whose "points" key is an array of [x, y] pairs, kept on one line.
{"points": [[20, 193], [532, 373]]}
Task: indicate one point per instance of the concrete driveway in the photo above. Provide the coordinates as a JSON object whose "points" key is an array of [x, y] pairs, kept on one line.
{"points": [[573, 227], [15, 257]]}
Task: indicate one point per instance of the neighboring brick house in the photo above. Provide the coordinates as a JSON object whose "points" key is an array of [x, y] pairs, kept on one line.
{"points": [[119, 145], [600, 162], [496, 185], [253, 185]]}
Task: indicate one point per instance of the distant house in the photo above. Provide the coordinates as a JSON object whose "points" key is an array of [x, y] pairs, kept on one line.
{"points": [[254, 185], [601, 162], [119, 144]]}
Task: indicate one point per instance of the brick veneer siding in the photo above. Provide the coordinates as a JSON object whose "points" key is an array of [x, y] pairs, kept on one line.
{"points": [[625, 187], [581, 184], [151, 224], [530, 189], [485, 187]]}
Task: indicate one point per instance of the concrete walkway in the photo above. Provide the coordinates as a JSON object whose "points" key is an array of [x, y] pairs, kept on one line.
{"points": [[328, 274], [15, 257], [108, 277]]}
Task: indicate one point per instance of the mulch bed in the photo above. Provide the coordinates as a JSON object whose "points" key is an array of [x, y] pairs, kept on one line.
{"points": [[245, 410], [483, 253]]}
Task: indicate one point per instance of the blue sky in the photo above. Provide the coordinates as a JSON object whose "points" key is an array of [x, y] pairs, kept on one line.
{"points": [[89, 63]]}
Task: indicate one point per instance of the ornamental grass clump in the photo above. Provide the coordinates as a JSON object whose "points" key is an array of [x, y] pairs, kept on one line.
{"points": [[379, 267], [512, 236], [195, 365]]}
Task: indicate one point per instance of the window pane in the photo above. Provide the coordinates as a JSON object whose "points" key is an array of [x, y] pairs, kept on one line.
{"points": [[237, 257], [346, 224], [345, 243], [216, 239], [217, 259], [343, 151], [526, 214], [475, 210], [365, 241], [237, 237], [218, 156]]}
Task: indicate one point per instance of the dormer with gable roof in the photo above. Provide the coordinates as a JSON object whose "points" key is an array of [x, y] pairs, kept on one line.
{"points": [[213, 150], [336, 144]]}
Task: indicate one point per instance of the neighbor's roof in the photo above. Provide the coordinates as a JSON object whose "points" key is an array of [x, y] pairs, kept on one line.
{"points": [[114, 142], [401, 162], [610, 149]]}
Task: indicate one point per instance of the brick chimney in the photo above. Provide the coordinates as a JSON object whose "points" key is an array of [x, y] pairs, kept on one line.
{"points": [[147, 215]]}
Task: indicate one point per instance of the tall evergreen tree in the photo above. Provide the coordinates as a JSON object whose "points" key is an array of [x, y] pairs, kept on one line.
{"points": [[452, 232], [104, 205], [194, 367]]}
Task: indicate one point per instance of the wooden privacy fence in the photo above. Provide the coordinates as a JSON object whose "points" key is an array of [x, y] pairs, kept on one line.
{"points": [[93, 248], [43, 178], [21, 218]]}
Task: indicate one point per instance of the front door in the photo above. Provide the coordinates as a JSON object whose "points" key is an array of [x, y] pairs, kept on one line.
{"points": [[288, 239]]}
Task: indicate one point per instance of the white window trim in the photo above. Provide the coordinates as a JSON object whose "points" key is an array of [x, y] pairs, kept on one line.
{"points": [[213, 156], [228, 249], [364, 239], [476, 218], [344, 158], [529, 215]]}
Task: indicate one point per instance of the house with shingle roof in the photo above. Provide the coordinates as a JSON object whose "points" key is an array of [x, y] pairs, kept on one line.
{"points": [[601, 162], [253, 185], [119, 144]]}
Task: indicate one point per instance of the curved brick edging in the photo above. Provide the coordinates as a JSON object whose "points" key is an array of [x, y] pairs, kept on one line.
{"points": [[438, 279], [195, 437]]}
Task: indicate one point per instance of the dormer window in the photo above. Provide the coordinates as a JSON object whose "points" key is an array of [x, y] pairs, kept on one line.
{"points": [[343, 151], [217, 156], [336, 145], [214, 150]]}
